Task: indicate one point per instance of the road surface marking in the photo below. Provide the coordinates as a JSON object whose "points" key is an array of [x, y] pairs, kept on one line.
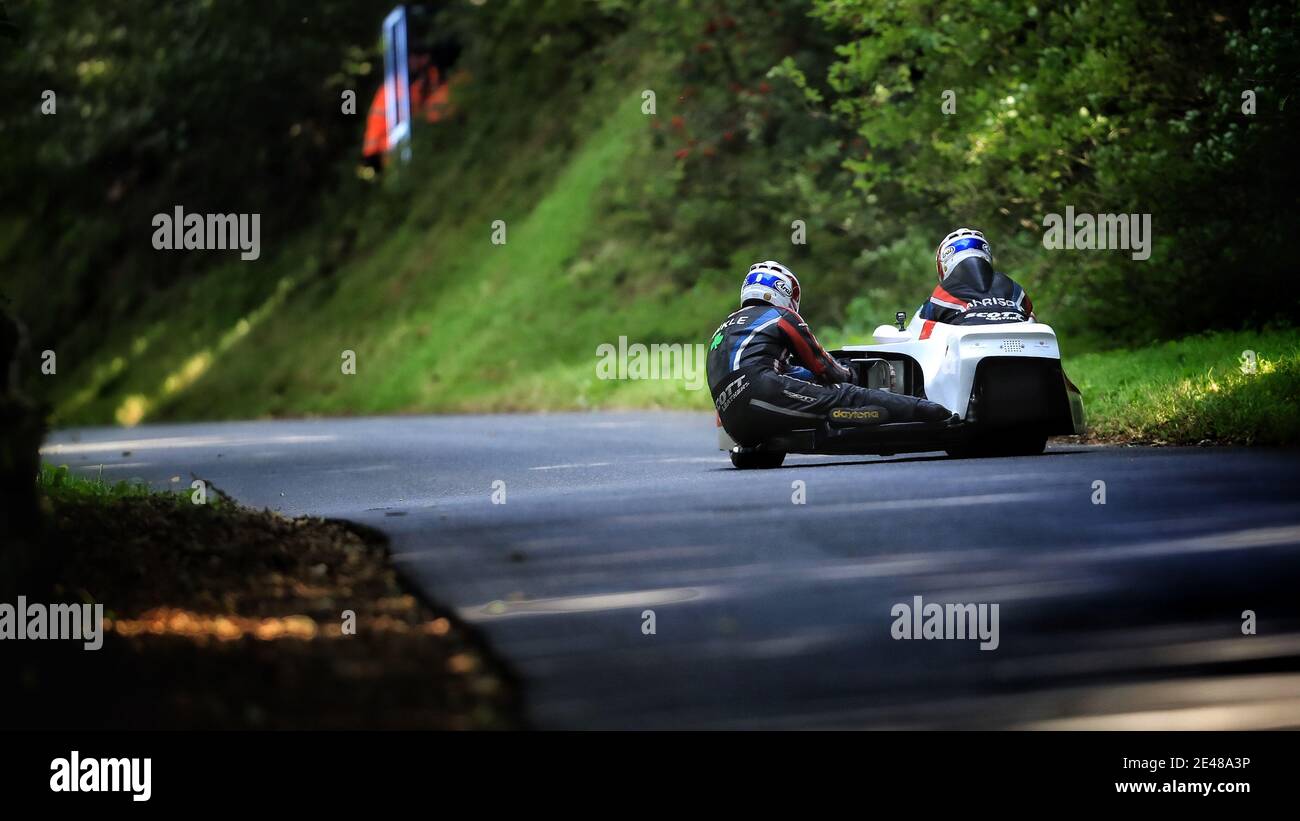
{"points": [[1275, 714], [164, 442], [842, 507], [686, 460], [1231, 540], [586, 604], [116, 466]]}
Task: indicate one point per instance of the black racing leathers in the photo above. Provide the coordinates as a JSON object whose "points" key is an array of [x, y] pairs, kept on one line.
{"points": [[769, 375], [975, 294]]}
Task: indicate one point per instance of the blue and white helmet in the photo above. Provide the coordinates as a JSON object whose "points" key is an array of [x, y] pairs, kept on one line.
{"points": [[771, 282], [960, 244]]}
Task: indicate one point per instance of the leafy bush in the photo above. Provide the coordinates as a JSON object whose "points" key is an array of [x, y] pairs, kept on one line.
{"points": [[1123, 107], [219, 107]]}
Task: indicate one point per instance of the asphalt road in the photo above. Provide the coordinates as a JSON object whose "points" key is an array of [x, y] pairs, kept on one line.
{"points": [[772, 614]]}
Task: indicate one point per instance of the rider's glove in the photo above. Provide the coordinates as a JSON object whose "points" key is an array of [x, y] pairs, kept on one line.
{"points": [[854, 378]]}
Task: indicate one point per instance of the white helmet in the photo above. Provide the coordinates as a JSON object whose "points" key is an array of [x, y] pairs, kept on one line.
{"points": [[960, 244], [771, 282]]}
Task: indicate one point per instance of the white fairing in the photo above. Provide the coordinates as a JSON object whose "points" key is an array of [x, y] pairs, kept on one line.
{"points": [[888, 333], [949, 355]]}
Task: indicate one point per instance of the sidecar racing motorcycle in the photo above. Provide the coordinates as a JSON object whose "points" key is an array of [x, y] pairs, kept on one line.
{"points": [[1003, 381]]}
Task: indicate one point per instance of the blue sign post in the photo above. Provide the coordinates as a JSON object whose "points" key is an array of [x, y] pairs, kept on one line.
{"points": [[397, 83]]}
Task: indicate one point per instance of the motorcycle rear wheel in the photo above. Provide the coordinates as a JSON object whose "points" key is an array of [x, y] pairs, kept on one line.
{"points": [[753, 459]]}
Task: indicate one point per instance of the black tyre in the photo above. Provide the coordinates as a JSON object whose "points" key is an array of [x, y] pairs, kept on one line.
{"points": [[757, 459], [1027, 445]]}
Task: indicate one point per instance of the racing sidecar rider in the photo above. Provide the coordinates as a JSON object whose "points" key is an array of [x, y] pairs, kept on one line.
{"points": [[970, 292], [769, 375]]}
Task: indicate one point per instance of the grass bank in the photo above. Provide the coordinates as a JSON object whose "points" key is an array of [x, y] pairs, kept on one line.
{"points": [[1225, 388]]}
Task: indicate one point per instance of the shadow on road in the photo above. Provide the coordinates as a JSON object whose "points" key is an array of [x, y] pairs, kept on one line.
{"points": [[871, 460]]}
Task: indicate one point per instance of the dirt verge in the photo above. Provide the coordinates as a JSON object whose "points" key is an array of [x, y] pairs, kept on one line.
{"points": [[216, 616]]}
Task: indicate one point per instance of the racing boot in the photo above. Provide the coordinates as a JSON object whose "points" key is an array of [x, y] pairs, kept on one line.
{"points": [[871, 406], [933, 412]]}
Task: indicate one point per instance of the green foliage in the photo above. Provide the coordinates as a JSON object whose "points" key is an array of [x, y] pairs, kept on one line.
{"points": [[59, 483], [219, 107], [737, 153], [1123, 107], [1195, 389], [620, 222]]}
